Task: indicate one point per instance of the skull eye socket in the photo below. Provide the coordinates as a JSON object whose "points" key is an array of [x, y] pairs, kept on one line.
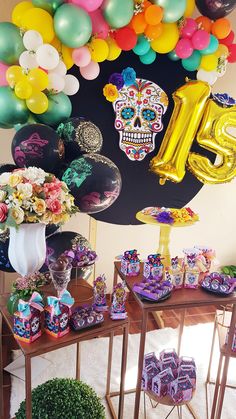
{"points": [[127, 113], [149, 114]]}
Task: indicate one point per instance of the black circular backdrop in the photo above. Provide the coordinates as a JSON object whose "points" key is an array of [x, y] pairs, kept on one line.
{"points": [[140, 187]]}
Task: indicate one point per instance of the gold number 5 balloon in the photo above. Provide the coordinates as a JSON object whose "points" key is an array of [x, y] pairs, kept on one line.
{"points": [[197, 116]]}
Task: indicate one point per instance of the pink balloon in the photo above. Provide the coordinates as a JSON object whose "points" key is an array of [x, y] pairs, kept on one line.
{"points": [[100, 27], [91, 71], [200, 39], [88, 5], [184, 48], [189, 27], [3, 69], [81, 56]]}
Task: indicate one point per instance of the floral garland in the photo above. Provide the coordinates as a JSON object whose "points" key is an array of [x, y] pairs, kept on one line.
{"points": [[117, 81]]}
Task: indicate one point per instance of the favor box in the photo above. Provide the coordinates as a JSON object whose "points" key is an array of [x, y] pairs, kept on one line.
{"points": [[27, 329], [151, 271], [161, 382], [181, 390], [192, 278], [57, 325], [167, 353], [130, 268], [177, 278], [151, 367], [190, 372]]}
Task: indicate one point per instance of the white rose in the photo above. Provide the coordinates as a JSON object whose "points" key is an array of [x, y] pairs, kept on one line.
{"points": [[18, 215], [3, 195], [35, 175], [4, 178], [25, 190]]}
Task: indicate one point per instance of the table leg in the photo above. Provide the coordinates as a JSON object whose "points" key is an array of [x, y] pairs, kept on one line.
{"points": [[158, 319], [226, 363], [216, 392], [140, 363], [28, 397], [211, 354], [1, 372], [181, 329], [78, 361], [109, 363], [123, 371]]}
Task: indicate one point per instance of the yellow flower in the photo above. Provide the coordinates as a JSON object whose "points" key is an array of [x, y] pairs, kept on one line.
{"points": [[14, 179], [46, 218], [110, 92], [164, 99], [31, 219], [65, 218], [25, 190], [39, 206], [18, 215], [57, 218]]}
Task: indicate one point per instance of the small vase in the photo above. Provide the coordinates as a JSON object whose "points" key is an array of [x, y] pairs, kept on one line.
{"points": [[27, 248]]}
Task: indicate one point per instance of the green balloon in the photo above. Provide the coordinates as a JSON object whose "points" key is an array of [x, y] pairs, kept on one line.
{"points": [[30, 121], [118, 13], [59, 109], [72, 25], [192, 63], [142, 46], [149, 57], [173, 56], [13, 110], [173, 10], [49, 5], [11, 44]]}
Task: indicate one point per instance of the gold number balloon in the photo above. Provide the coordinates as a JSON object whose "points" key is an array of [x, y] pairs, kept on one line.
{"points": [[189, 103], [213, 135]]}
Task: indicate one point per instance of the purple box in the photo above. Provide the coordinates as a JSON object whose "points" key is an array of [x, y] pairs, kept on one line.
{"points": [[151, 367], [190, 372], [167, 353], [161, 382], [181, 390], [192, 278]]}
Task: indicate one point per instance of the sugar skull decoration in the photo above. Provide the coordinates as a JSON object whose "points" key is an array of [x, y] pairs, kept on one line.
{"points": [[139, 106]]}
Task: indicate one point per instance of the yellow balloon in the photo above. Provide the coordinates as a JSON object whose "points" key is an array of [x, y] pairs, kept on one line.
{"points": [[38, 79], [38, 102], [39, 20], [14, 74], [19, 11], [222, 51], [66, 54], [23, 89], [99, 50], [213, 135], [167, 41], [190, 6], [171, 159], [114, 50], [209, 62]]}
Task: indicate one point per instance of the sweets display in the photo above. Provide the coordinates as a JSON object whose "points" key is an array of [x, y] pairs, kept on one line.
{"points": [[171, 216], [80, 256], [83, 317], [219, 283], [153, 289]]}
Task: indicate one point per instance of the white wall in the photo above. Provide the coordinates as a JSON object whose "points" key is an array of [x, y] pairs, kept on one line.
{"points": [[215, 204]]}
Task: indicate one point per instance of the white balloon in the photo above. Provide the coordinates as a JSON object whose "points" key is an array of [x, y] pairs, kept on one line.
{"points": [[47, 57], [71, 85], [32, 40], [60, 69], [208, 76], [28, 60], [56, 83]]}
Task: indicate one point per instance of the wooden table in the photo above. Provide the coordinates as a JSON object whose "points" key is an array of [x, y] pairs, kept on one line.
{"points": [[82, 294], [180, 299]]}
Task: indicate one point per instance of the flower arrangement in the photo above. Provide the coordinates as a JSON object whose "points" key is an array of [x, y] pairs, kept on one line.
{"points": [[117, 81], [25, 286], [171, 215], [31, 195]]}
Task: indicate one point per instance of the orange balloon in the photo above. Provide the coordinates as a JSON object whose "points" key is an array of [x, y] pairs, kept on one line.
{"points": [[153, 14], [153, 31], [204, 23], [221, 28], [146, 4], [138, 23]]}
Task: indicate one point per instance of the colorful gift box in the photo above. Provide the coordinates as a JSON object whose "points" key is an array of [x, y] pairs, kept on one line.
{"points": [[176, 273], [118, 311], [130, 263], [192, 270], [161, 382], [151, 367], [181, 389], [190, 372], [57, 314], [27, 320], [153, 267], [99, 293]]}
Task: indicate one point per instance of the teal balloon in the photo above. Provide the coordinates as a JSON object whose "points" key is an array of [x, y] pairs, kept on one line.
{"points": [[192, 63], [49, 5], [149, 57], [142, 46], [72, 25], [30, 121], [11, 44], [173, 9], [118, 13], [212, 47], [173, 56], [13, 110], [59, 109]]}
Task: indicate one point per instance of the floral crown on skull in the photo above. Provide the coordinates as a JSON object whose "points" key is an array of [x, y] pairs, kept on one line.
{"points": [[139, 105]]}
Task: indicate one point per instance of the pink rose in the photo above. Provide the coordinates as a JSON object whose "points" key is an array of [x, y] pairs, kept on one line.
{"points": [[3, 212], [54, 205]]}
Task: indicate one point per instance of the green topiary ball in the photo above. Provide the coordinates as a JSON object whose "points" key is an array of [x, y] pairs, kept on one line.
{"points": [[64, 398]]}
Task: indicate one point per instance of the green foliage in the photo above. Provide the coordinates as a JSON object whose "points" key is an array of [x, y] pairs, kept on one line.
{"points": [[229, 270], [63, 398]]}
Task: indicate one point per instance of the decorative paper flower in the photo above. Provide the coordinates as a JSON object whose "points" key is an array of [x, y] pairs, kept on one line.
{"points": [[129, 76], [149, 115], [164, 217], [224, 99], [110, 92], [117, 80], [127, 113]]}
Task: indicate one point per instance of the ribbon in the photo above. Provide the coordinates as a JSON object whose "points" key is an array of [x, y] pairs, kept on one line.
{"points": [[64, 299], [35, 301]]}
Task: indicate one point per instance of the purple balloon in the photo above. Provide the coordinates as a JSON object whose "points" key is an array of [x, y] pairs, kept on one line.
{"points": [[215, 9]]}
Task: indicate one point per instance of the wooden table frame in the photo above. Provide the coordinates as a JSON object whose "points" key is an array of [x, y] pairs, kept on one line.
{"points": [[180, 300], [49, 344]]}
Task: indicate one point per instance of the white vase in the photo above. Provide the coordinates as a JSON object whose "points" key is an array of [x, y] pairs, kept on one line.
{"points": [[27, 248]]}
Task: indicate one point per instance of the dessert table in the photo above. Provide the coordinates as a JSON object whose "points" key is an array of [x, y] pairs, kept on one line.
{"points": [[83, 293], [180, 299]]}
